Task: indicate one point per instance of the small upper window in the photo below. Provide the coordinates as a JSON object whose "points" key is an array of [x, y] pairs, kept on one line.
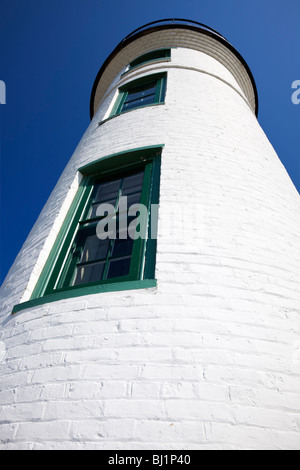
{"points": [[150, 56], [145, 91]]}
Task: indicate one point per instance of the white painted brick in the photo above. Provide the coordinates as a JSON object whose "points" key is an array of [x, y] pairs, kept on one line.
{"points": [[186, 409], [66, 410], [113, 371], [70, 343], [145, 389], [92, 355], [250, 437], [100, 389], [7, 397], [8, 367], [145, 325], [123, 432], [137, 409], [18, 446], [88, 430], [97, 327], [51, 332], [56, 374], [170, 431], [116, 340], [7, 432], [25, 349], [17, 379], [172, 372], [22, 412], [144, 354], [28, 393], [41, 360], [43, 431], [255, 416], [34, 393], [177, 389]]}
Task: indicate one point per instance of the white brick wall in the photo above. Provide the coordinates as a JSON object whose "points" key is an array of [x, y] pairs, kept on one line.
{"points": [[210, 358]]}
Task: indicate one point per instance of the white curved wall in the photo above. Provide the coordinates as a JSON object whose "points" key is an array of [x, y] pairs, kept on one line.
{"points": [[209, 358]]}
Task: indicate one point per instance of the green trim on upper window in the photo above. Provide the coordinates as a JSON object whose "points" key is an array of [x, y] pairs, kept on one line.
{"points": [[145, 91], [150, 57], [78, 263]]}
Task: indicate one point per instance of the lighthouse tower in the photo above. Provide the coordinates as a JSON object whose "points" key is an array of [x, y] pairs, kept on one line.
{"points": [[155, 304]]}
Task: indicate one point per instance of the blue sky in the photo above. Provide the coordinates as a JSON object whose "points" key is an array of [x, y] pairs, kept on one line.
{"points": [[51, 52]]}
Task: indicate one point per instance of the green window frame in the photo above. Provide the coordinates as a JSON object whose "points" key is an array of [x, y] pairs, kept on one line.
{"points": [[57, 277], [158, 54], [146, 91]]}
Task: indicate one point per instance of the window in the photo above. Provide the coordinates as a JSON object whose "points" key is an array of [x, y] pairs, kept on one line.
{"points": [[103, 241], [142, 92], [91, 259], [150, 56]]}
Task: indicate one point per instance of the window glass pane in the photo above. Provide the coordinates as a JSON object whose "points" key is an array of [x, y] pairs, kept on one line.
{"points": [[141, 91], [133, 183], [122, 247], [107, 191], [93, 210], [89, 273], [94, 249], [133, 199], [119, 267], [137, 103]]}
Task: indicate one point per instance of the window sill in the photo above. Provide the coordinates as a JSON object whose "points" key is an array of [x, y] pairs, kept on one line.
{"points": [[129, 111], [89, 290]]}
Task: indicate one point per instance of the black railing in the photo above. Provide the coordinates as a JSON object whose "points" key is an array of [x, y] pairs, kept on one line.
{"points": [[173, 21]]}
